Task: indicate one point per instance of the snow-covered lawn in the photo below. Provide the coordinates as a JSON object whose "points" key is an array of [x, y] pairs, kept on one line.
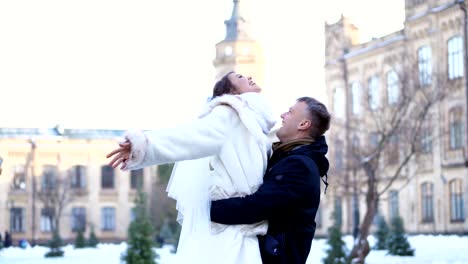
{"points": [[429, 250]]}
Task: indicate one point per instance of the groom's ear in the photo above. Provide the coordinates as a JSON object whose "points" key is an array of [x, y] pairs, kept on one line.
{"points": [[305, 124]]}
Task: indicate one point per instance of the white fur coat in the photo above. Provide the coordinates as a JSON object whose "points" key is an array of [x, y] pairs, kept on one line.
{"points": [[232, 131]]}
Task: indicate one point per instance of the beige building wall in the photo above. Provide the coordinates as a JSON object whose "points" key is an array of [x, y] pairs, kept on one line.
{"points": [[430, 23], [66, 152]]}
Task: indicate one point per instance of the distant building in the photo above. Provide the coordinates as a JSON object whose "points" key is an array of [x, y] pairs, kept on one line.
{"points": [[238, 51], [359, 77], [35, 159]]}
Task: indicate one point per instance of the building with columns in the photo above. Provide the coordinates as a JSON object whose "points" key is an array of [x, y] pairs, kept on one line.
{"points": [[238, 51], [72, 162], [432, 195]]}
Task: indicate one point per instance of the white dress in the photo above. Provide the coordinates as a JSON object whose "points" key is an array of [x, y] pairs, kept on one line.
{"points": [[224, 154]]}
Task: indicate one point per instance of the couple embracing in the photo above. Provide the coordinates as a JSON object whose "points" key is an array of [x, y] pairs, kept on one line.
{"points": [[240, 198]]}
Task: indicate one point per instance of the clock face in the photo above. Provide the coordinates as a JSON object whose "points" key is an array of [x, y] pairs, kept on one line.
{"points": [[228, 51]]}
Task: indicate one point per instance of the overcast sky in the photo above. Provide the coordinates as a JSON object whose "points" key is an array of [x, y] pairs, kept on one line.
{"points": [[146, 64]]}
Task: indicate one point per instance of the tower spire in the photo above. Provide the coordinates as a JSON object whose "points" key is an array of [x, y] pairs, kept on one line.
{"points": [[237, 27]]}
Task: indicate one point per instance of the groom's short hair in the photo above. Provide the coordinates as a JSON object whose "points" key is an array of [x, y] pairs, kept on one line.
{"points": [[319, 116]]}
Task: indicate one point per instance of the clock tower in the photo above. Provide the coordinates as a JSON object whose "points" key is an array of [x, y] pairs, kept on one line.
{"points": [[238, 51]]}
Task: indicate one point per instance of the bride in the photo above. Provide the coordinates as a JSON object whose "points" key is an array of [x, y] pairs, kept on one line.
{"points": [[221, 154]]}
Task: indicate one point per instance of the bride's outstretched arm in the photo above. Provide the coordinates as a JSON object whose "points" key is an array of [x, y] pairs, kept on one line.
{"points": [[201, 138]]}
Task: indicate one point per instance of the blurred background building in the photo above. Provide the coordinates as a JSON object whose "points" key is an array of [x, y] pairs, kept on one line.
{"points": [[366, 81], [62, 174]]}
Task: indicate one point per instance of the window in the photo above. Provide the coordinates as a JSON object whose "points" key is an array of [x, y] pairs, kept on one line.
{"points": [[456, 128], [392, 154], [107, 177], [418, 2], [378, 216], [356, 95], [49, 177], [373, 93], [339, 163], [392, 88], [77, 177], [47, 219], [374, 140], [394, 208], [338, 211], [425, 65], [427, 193], [457, 210], [455, 57], [108, 218], [355, 206], [19, 178], [136, 179], [17, 219], [132, 214], [78, 220], [339, 103], [318, 218], [426, 139], [355, 144]]}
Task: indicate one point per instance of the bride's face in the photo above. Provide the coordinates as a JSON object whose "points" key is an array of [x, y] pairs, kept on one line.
{"points": [[243, 84]]}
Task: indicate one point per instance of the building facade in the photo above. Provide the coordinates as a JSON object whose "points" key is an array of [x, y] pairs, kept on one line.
{"points": [[69, 166], [431, 196], [239, 51]]}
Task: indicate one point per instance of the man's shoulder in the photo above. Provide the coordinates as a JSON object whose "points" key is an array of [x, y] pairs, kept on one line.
{"points": [[295, 156], [293, 162]]}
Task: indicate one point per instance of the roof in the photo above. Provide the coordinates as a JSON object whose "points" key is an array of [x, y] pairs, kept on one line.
{"points": [[59, 132]]}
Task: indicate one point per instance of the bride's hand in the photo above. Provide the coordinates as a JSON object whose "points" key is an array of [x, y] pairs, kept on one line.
{"points": [[121, 155]]}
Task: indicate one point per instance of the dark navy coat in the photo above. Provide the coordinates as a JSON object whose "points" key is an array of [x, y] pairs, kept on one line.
{"points": [[288, 198]]}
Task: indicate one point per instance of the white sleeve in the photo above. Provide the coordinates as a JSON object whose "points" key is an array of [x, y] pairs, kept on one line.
{"points": [[202, 138]]}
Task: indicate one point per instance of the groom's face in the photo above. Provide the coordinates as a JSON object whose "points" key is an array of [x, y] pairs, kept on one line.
{"points": [[295, 122]]}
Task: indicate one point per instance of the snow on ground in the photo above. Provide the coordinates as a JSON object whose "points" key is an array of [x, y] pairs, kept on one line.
{"points": [[429, 250]]}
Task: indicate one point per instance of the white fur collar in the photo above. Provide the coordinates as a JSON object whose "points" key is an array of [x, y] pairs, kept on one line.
{"points": [[251, 104]]}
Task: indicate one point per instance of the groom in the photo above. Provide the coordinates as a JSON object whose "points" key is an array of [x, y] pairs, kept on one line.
{"points": [[290, 194]]}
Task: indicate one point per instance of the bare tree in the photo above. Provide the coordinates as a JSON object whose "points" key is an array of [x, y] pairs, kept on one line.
{"points": [[55, 194], [397, 132]]}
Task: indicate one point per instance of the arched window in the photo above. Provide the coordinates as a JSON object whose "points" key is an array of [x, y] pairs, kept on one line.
{"points": [[393, 90], [426, 138], [456, 128], [373, 93], [339, 103], [393, 150], [394, 204], [457, 210], [338, 211], [455, 57], [356, 95], [339, 160], [425, 65], [427, 202], [318, 217]]}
